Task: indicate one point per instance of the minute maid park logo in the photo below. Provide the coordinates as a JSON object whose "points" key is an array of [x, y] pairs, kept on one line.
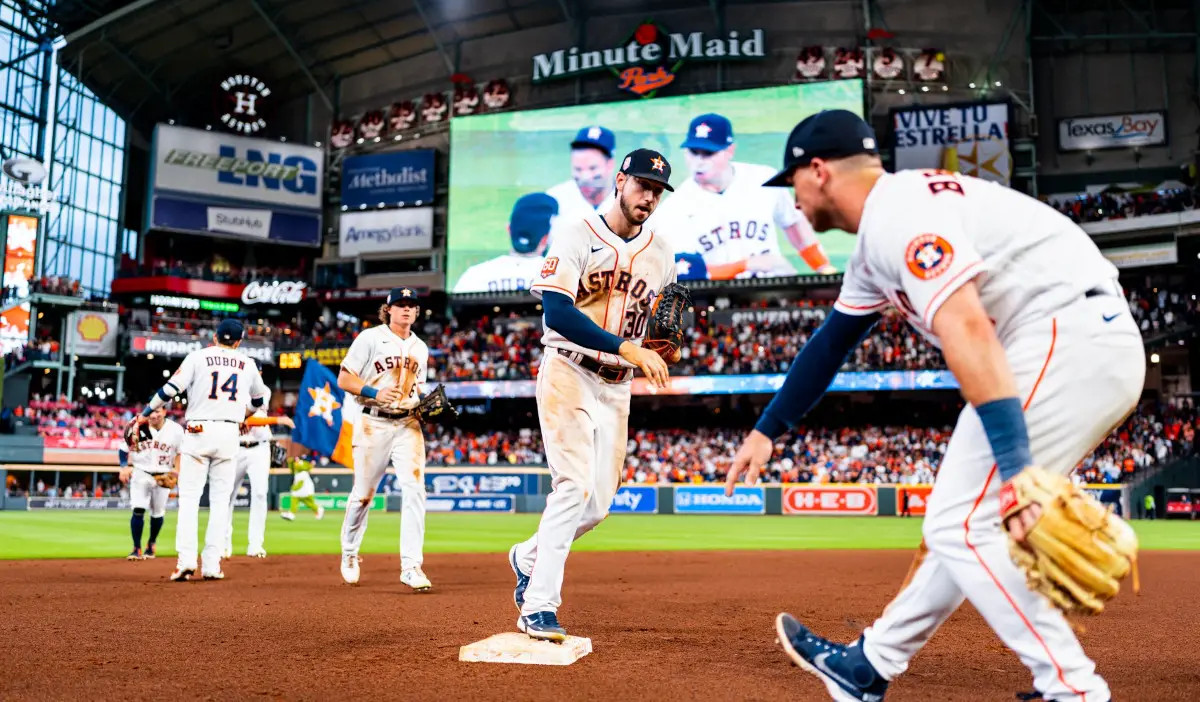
{"points": [[650, 57]]}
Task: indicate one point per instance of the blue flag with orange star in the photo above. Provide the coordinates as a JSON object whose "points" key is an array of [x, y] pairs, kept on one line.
{"points": [[319, 423]]}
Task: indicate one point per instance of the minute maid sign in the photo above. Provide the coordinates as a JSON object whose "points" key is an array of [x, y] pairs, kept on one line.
{"points": [[650, 57]]}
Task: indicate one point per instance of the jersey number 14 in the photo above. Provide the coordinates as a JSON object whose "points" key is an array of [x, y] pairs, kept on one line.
{"points": [[229, 386]]}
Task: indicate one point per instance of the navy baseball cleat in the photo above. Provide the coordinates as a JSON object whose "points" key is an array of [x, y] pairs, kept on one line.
{"points": [[542, 625], [522, 579], [844, 669]]}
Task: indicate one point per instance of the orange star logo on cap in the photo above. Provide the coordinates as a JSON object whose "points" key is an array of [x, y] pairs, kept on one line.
{"points": [[657, 164]]}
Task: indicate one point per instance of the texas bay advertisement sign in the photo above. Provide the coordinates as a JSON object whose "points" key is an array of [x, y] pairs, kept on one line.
{"points": [[649, 59], [1121, 131], [225, 185]]}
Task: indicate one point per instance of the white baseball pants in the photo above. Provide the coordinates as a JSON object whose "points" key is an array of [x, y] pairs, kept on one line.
{"points": [[1080, 374], [207, 456], [585, 427], [253, 461], [378, 442], [145, 494]]}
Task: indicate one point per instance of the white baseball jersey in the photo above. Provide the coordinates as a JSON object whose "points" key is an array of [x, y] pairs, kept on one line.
{"points": [[744, 220], [924, 234], [383, 360], [158, 454], [572, 203], [611, 280], [507, 273], [261, 433], [220, 382]]}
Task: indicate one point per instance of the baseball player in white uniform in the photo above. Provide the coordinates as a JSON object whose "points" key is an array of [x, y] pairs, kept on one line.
{"points": [[590, 187], [723, 214], [146, 460], [254, 460], [385, 370], [597, 286], [220, 382], [1039, 336], [529, 231]]}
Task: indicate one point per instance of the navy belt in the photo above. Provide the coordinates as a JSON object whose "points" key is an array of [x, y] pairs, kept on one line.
{"points": [[607, 373]]}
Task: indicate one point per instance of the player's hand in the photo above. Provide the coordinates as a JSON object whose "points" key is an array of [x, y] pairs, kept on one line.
{"points": [[124, 475], [287, 422], [649, 362], [827, 269], [750, 458], [390, 396], [1020, 523], [765, 263]]}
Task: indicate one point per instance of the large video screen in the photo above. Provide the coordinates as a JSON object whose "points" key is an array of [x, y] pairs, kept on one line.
{"points": [[513, 175]]}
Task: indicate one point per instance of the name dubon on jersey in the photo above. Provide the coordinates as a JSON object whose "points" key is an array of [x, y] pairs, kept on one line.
{"points": [[925, 234], [220, 382], [611, 280]]}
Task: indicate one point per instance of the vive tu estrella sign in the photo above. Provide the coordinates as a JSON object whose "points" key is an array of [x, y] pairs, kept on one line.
{"points": [[649, 59]]}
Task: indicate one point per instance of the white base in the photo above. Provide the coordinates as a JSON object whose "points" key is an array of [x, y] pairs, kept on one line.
{"points": [[514, 647]]}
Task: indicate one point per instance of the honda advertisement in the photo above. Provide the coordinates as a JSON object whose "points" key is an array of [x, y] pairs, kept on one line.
{"points": [[231, 186], [635, 499], [830, 499], [392, 179], [178, 346], [711, 499], [1123, 131], [490, 503]]}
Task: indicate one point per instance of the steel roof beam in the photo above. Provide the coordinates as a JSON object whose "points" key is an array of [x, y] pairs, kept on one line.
{"points": [[292, 50]]}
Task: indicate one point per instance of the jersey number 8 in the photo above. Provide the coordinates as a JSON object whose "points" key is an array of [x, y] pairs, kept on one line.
{"points": [[229, 386]]}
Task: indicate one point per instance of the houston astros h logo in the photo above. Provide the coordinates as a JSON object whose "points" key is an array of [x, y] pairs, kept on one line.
{"points": [[658, 164]]}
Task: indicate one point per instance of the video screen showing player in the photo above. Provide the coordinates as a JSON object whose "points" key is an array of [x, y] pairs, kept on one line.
{"points": [[590, 187], [529, 226], [723, 223]]}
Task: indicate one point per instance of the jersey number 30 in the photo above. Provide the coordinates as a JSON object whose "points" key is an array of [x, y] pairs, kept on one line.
{"points": [[635, 324], [229, 386]]}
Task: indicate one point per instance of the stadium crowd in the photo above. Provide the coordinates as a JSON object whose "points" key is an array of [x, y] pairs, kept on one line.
{"points": [[1159, 310], [1118, 205], [48, 284], [44, 349]]}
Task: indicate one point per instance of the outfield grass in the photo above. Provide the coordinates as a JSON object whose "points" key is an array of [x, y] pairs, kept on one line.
{"points": [[53, 534]]}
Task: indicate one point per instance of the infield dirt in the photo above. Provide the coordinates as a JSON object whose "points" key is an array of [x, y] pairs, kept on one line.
{"points": [[665, 625]]}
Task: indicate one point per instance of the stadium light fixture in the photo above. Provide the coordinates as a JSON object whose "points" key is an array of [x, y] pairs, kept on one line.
{"points": [[362, 206], [901, 91], [924, 88], [344, 208], [1154, 358], [359, 140], [317, 144], [380, 205], [208, 127], [170, 121], [149, 357], [998, 84], [377, 140], [166, 374], [945, 88], [971, 86], [397, 137]]}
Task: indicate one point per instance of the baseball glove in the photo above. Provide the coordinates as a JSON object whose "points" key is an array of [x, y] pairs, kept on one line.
{"points": [[1078, 551], [664, 333], [167, 480], [137, 432], [435, 406]]}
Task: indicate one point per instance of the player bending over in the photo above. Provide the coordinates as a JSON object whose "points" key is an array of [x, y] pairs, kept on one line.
{"points": [[1038, 334]]}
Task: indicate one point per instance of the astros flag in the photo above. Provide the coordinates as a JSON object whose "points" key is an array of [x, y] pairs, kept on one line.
{"points": [[319, 423]]}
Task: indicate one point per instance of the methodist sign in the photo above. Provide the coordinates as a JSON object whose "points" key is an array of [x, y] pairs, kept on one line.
{"points": [[650, 57], [1112, 131]]}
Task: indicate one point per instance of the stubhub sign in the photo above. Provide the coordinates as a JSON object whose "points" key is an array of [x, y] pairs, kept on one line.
{"points": [[195, 171]]}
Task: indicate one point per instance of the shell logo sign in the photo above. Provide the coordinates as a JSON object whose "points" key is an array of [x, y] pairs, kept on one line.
{"points": [[91, 327]]}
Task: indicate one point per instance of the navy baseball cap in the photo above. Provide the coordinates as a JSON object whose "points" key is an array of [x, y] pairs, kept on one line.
{"points": [[229, 331], [827, 134], [595, 137], [648, 164], [709, 132], [530, 220], [403, 296]]}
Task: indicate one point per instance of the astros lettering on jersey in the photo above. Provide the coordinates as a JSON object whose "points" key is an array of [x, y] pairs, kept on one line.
{"points": [[611, 280], [158, 454], [382, 360], [744, 220]]}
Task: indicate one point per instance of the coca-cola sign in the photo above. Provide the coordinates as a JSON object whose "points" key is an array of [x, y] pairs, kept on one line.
{"points": [[276, 292]]}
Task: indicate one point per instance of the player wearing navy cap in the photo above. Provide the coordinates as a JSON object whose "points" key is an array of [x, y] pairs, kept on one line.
{"points": [[223, 388], [590, 187], [1036, 330], [384, 372], [529, 227], [723, 223]]}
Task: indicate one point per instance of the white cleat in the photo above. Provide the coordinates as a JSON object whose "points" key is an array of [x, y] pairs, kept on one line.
{"points": [[416, 579], [219, 575], [287, 515], [257, 553], [320, 512], [228, 552], [350, 569]]}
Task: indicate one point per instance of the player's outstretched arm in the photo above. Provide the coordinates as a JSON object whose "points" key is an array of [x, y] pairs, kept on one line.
{"points": [[974, 354], [809, 247], [807, 379]]}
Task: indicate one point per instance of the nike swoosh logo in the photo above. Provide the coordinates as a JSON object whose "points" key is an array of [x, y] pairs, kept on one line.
{"points": [[599, 249], [819, 662], [1110, 317]]}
